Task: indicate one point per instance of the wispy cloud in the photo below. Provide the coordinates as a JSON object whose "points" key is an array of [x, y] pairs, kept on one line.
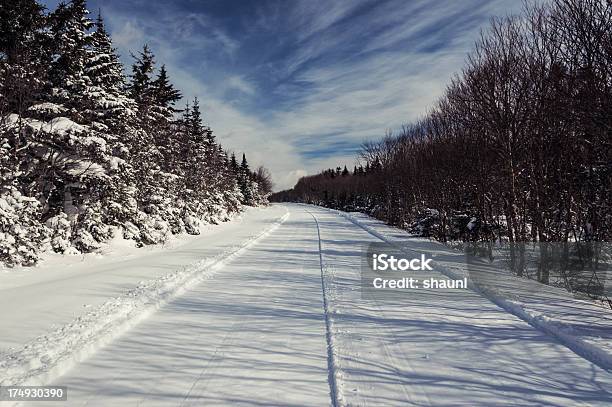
{"points": [[241, 84], [300, 85]]}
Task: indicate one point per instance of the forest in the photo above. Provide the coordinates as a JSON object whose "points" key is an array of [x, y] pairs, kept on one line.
{"points": [[517, 149], [88, 152]]}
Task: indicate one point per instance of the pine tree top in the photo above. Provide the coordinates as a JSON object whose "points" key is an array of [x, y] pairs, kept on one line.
{"points": [[244, 165], [165, 93], [142, 68]]}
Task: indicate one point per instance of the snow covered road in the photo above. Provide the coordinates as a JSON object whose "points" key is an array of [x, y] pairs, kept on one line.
{"points": [[254, 334], [64, 286], [265, 331]]}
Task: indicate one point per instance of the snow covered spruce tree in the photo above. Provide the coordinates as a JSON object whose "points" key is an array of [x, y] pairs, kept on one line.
{"points": [[110, 111], [255, 186], [210, 191], [76, 155], [153, 183], [85, 154], [22, 67]]}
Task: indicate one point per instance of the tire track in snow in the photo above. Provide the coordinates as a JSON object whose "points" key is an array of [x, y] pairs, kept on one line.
{"points": [[333, 368], [385, 348]]}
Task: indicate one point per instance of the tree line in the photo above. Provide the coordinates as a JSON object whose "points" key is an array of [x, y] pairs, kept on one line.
{"points": [[87, 152], [517, 149]]}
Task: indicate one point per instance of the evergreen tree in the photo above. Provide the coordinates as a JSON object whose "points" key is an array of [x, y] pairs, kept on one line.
{"points": [[103, 66], [197, 127], [164, 94], [234, 164], [194, 162], [23, 57], [246, 183], [154, 185], [70, 27], [83, 154], [244, 165], [23, 63], [112, 112], [161, 114], [140, 87], [107, 102]]}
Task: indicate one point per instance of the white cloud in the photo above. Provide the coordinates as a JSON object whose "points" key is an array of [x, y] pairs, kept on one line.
{"points": [[239, 83], [128, 34], [354, 98]]}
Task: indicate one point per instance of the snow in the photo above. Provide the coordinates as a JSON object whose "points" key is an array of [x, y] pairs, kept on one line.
{"points": [[333, 365], [446, 347], [48, 108], [583, 326], [283, 322], [112, 284], [82, 168], [96, 141], [63, 125], [115, 162], [19, 234], [58, 125], [471, 224]]}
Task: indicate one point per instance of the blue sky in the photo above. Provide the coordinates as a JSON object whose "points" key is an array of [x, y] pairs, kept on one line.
{"points": [[301, 84]]}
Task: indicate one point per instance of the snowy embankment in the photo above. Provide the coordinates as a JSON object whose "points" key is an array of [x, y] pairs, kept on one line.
{"points": [[583, 326], [49, 355]]}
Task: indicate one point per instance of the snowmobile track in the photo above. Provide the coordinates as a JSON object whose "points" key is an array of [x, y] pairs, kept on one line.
{"points": [[337, 399]]}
